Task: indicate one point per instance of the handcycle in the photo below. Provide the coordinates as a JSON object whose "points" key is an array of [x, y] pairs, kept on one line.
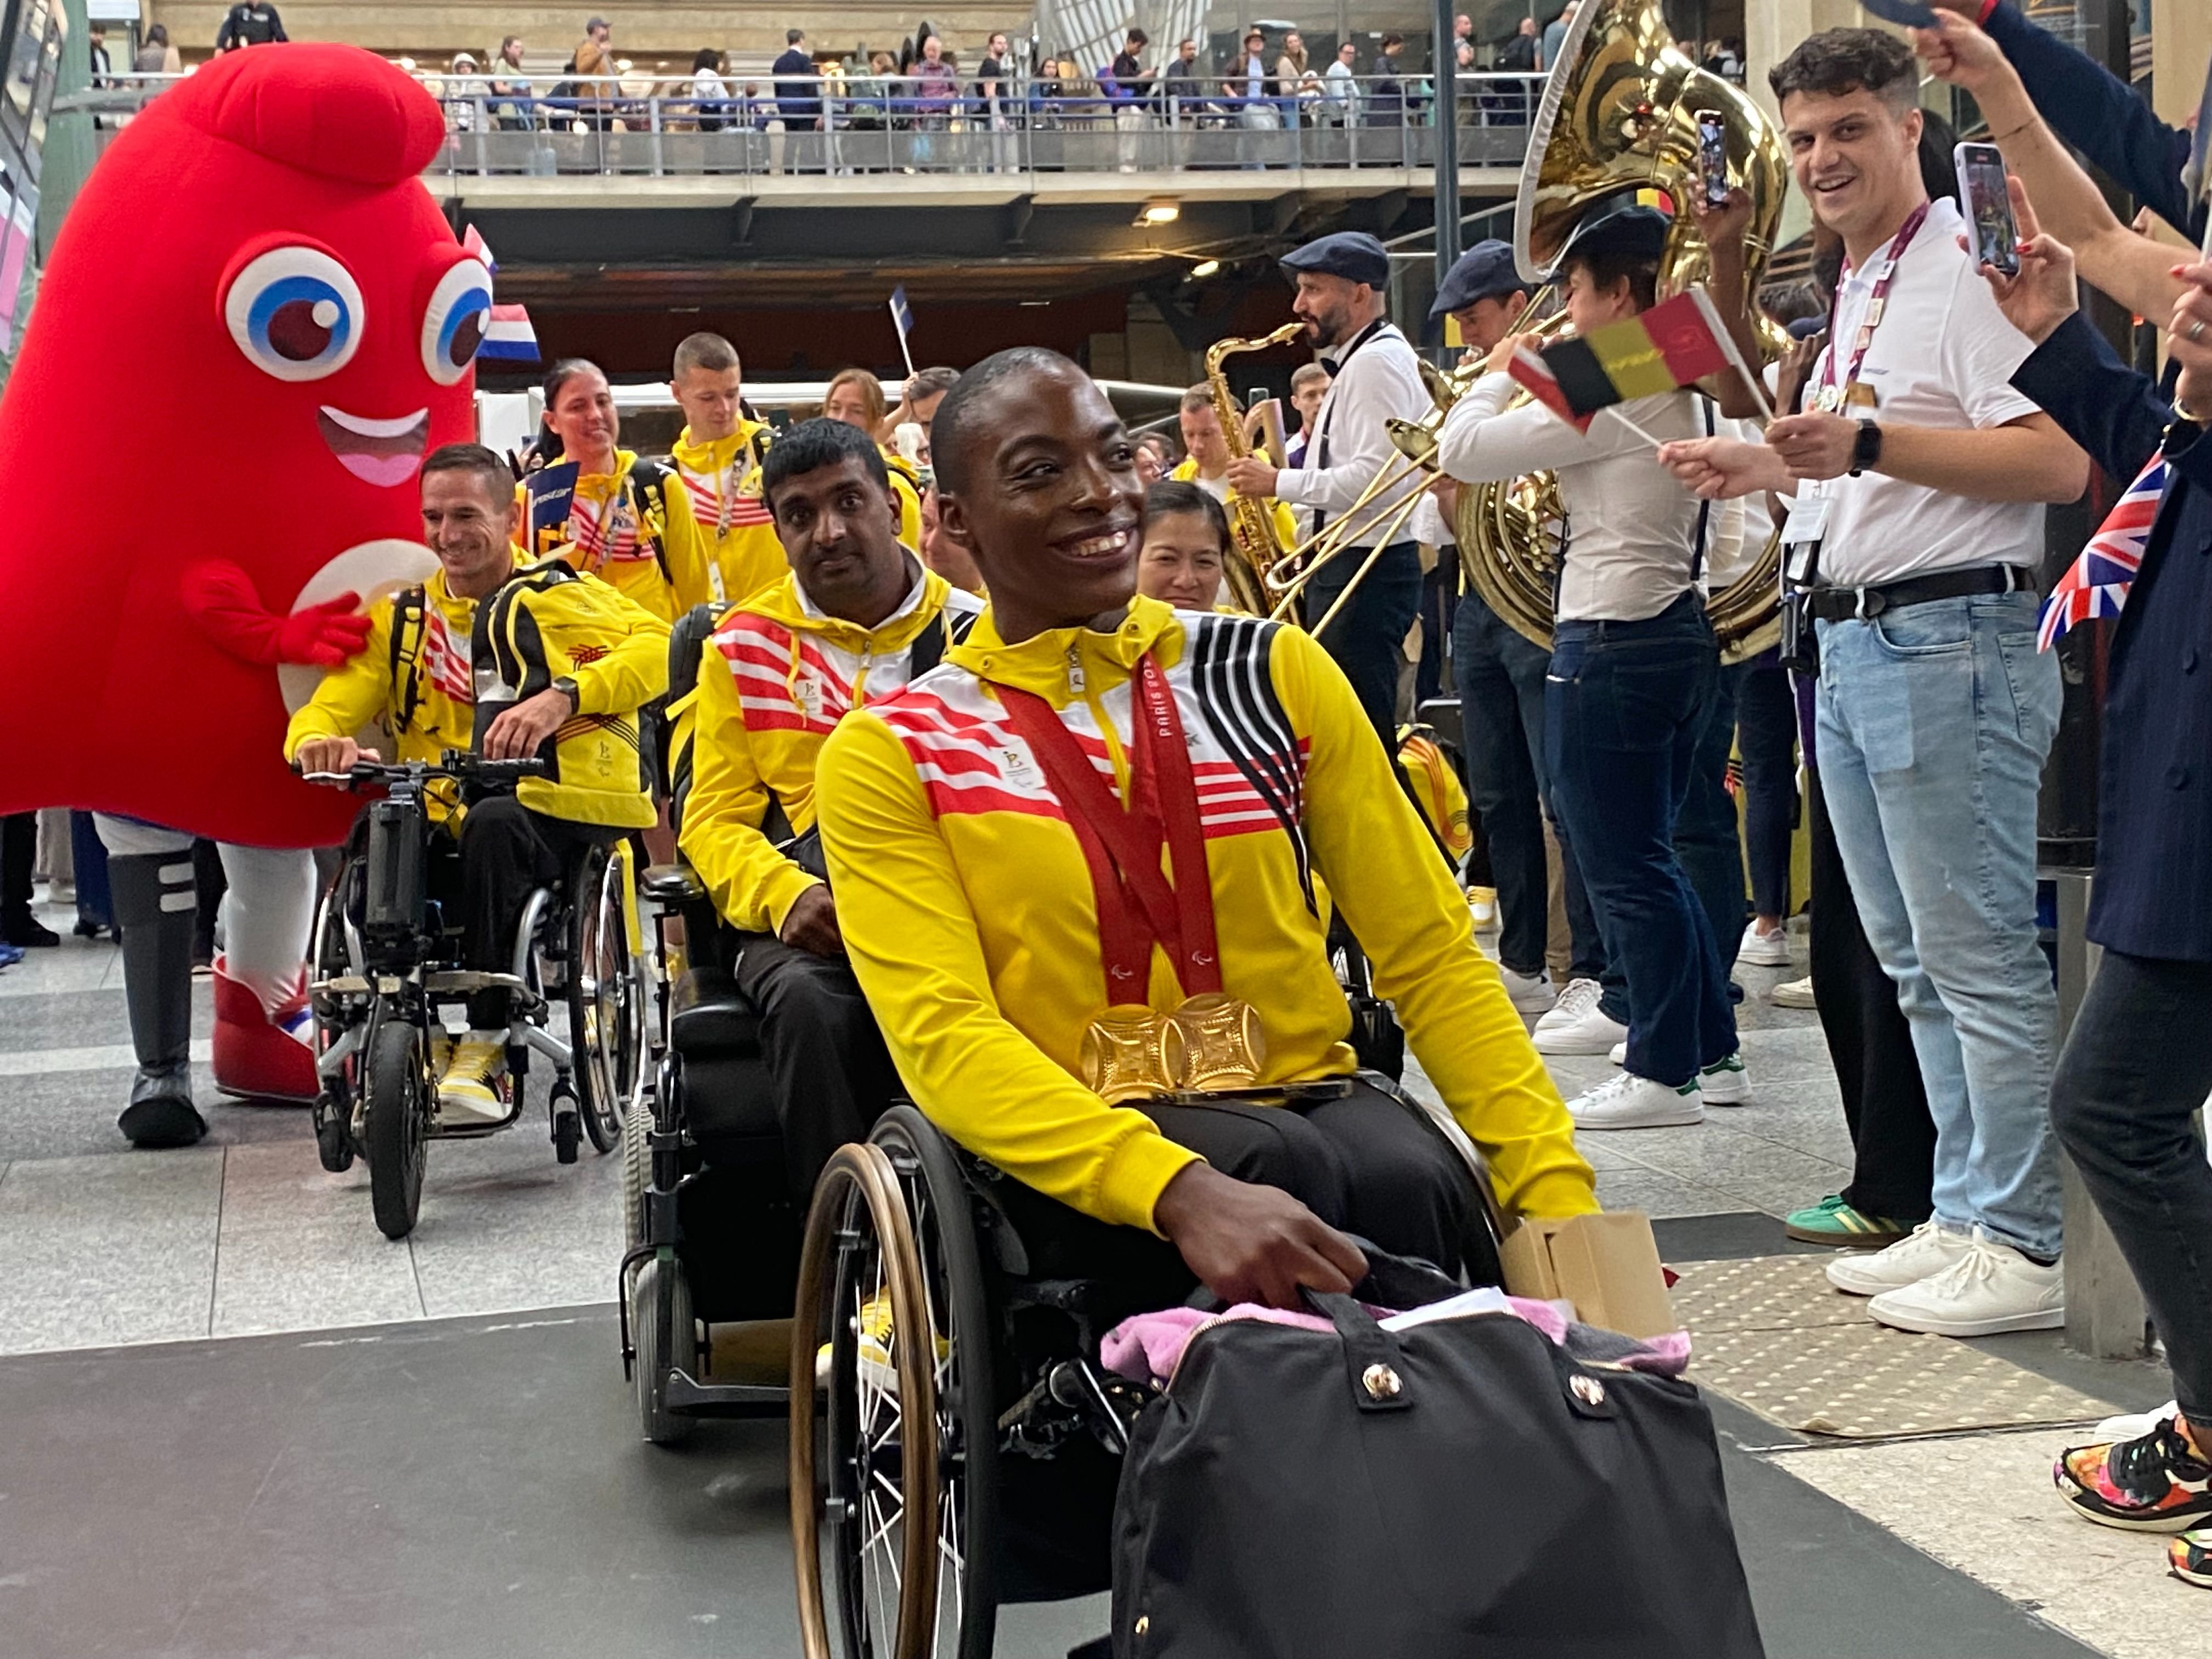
{"points": [[383, 961]]}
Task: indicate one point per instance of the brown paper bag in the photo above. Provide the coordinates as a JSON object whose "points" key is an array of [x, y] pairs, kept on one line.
{"points": [[1607, 1266]]}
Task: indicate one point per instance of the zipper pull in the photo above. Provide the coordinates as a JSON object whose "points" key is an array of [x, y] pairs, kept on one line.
{"points": [[1075, 679]]}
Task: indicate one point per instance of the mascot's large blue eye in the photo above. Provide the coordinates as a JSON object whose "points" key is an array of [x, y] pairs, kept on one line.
{"points": [[295, 313], [454, 322]]}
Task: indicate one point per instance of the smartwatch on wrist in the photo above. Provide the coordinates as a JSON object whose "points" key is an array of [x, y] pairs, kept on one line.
{"points": [[566, 688], [1866, 448]]}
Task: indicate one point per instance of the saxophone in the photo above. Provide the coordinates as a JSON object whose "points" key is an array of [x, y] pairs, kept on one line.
{"points": [[1253, 549]]}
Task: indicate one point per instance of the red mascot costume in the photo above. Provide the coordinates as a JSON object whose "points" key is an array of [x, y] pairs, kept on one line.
{"points": [[298, 326]]}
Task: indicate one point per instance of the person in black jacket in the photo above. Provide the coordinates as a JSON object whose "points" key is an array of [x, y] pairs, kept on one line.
{"points": [[249, 23], [798, 88]]}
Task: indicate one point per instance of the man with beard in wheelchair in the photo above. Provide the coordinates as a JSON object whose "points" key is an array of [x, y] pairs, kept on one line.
{"points": [[856, 618], [1154, 1050], [549, 664]]}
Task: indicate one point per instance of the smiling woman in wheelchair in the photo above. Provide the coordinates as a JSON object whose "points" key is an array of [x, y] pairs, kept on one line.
{"points": [[1156, 1052], [564, 663]]}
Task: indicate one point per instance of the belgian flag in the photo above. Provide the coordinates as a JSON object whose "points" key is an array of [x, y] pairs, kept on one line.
{"points": [[1675, 343]]}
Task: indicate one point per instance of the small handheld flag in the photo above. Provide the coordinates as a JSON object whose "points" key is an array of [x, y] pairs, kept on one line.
{"points": [[1676, 342], [2096, 584], [902, 320]]}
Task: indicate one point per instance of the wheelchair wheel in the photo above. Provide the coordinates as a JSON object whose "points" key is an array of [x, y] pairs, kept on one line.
{"points": [[606, 994], [660, 1286], [938, 1209], [339, 1089], [637, 1171], [864, 1488], [397, 1130]]}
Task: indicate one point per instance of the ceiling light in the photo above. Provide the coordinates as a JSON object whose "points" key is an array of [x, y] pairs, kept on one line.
{"points": [[1205, 268], [1160, 210]]}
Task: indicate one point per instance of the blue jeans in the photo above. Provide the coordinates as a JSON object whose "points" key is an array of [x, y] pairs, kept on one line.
{"points": [[1933, 724], [1626, 705]]}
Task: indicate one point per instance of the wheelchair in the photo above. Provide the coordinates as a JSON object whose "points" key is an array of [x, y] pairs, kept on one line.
{"points": [[383, 961], [933, 1480]]}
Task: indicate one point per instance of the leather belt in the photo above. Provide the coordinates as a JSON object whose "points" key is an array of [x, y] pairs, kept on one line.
{"points": [[1858, 603]]}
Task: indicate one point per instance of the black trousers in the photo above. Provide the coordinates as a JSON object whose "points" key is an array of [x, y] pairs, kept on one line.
{"points": [[506, 853], [19, 852], [1367, 637], [1893, 1136], [1364, 1163], [2131, 1083], [833, 1075]]}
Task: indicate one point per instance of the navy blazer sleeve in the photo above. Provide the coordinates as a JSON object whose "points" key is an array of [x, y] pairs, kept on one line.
{"points": [[2104, 406], [2100, 115]]}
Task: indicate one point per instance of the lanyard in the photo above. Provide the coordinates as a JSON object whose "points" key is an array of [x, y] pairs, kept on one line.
{"points": [[1137, 908], [1870, 319]]}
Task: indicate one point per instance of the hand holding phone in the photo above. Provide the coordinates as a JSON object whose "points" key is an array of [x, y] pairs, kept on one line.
{"points": [[1987, 205], [1712, 156]]}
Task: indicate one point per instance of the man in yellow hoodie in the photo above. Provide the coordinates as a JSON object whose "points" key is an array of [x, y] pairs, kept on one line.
{"points": [[592, 659], [717, 461], [1044, 982], [854, 618]]}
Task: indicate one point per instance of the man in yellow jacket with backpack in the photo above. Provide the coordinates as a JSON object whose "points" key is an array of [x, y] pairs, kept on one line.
{"points": [[572, 660]]}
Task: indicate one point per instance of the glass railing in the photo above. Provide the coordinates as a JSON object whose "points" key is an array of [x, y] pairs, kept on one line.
{"points": [[896, 125]]}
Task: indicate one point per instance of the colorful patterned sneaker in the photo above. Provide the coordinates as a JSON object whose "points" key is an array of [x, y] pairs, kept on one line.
{"points": [[2188, 1558], [1832, 1221], [2154, 1483]]}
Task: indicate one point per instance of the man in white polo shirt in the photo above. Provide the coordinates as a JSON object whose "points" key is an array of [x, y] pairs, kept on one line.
{"points": [[1924, 476]]}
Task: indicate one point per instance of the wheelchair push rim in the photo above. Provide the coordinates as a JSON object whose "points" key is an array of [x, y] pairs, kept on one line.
{"points": [[606, 997], [863, 1490]]}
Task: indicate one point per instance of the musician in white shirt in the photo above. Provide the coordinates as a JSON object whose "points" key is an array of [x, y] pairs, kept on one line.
{"points": [[1343, 283], [1633, 680]]}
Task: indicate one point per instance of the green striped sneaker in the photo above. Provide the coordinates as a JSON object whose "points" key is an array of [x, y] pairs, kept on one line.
{"points": [[1832, 1221]]}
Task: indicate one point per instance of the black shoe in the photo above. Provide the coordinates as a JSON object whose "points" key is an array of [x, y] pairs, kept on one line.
{"points": [[88, 927], [162, 1120], [28, 932]]}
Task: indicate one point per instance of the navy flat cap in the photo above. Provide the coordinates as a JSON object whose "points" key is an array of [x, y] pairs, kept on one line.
{"points": [[1352, 254], [1632, 232], [1484, 271]]}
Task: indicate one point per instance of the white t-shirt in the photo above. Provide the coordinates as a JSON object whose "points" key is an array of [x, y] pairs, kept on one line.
{"points": [[1942, 356]]}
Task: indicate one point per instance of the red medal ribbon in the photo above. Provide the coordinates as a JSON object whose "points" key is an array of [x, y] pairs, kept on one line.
{"points": [[1897, 244], [1137, 907]]}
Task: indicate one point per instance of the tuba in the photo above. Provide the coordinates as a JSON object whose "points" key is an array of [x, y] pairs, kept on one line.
{"points": [[1618, 115], [1254, 550]]}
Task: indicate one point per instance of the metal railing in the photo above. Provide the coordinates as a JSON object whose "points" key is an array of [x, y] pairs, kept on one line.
{"points": [[639, 126]]}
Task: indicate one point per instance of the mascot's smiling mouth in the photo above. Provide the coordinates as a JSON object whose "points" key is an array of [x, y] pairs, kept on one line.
{"points": [[382, 452]]}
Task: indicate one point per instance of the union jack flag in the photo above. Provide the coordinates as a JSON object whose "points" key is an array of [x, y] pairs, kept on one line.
{"points": [[2096, 583]]}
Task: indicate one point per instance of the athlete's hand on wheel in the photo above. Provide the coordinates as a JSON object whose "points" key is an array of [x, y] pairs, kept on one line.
{"points": [[810, 924], [1248, 1242]]}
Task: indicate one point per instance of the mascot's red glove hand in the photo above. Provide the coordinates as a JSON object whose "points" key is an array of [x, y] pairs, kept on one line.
{"points": [[221, 598]]}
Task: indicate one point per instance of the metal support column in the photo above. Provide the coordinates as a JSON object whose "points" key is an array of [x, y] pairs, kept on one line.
{"points": [[1446, 79]]}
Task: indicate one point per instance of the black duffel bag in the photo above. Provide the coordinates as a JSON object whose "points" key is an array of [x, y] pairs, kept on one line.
{"points": [[1462, 1489]]}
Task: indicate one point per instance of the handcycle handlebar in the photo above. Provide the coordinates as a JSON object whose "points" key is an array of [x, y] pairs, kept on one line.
{"points": [[462, 765]]}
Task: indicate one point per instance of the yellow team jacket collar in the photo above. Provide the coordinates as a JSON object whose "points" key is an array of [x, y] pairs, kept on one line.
{"points": [[785, 603], [1041, 664], [717, 454], [624, 459]]}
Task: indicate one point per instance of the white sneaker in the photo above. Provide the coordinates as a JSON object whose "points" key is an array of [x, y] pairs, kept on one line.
{"points": [[1792, 994], [1532, 993], [1482, 904], [1764, 950], [1577, 1025], [1626, 1101], [1619, 1053], [1725, 1082], [1925, 1251], [1991, 1288], [2133, 1426]]}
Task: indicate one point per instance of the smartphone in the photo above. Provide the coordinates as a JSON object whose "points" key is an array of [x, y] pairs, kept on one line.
{"points": [[1988, 207], [1712, 156]]}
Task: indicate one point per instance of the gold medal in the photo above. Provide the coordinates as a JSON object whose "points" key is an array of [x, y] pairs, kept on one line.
{"points": [[1223, 1044], [1828, 399], [1132, 1052]]}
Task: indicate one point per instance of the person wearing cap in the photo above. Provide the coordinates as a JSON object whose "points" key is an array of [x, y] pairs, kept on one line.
{"points": [[1342, 281], [1632, 680], [1253, 87], [1500, 679]]}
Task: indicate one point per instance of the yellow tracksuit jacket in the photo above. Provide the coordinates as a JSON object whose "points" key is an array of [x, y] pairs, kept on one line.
{"points": [[967, 906], [728, 533], [906, 490], [1286, 523], [625, 554], [416, 680], [774, 680]]}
